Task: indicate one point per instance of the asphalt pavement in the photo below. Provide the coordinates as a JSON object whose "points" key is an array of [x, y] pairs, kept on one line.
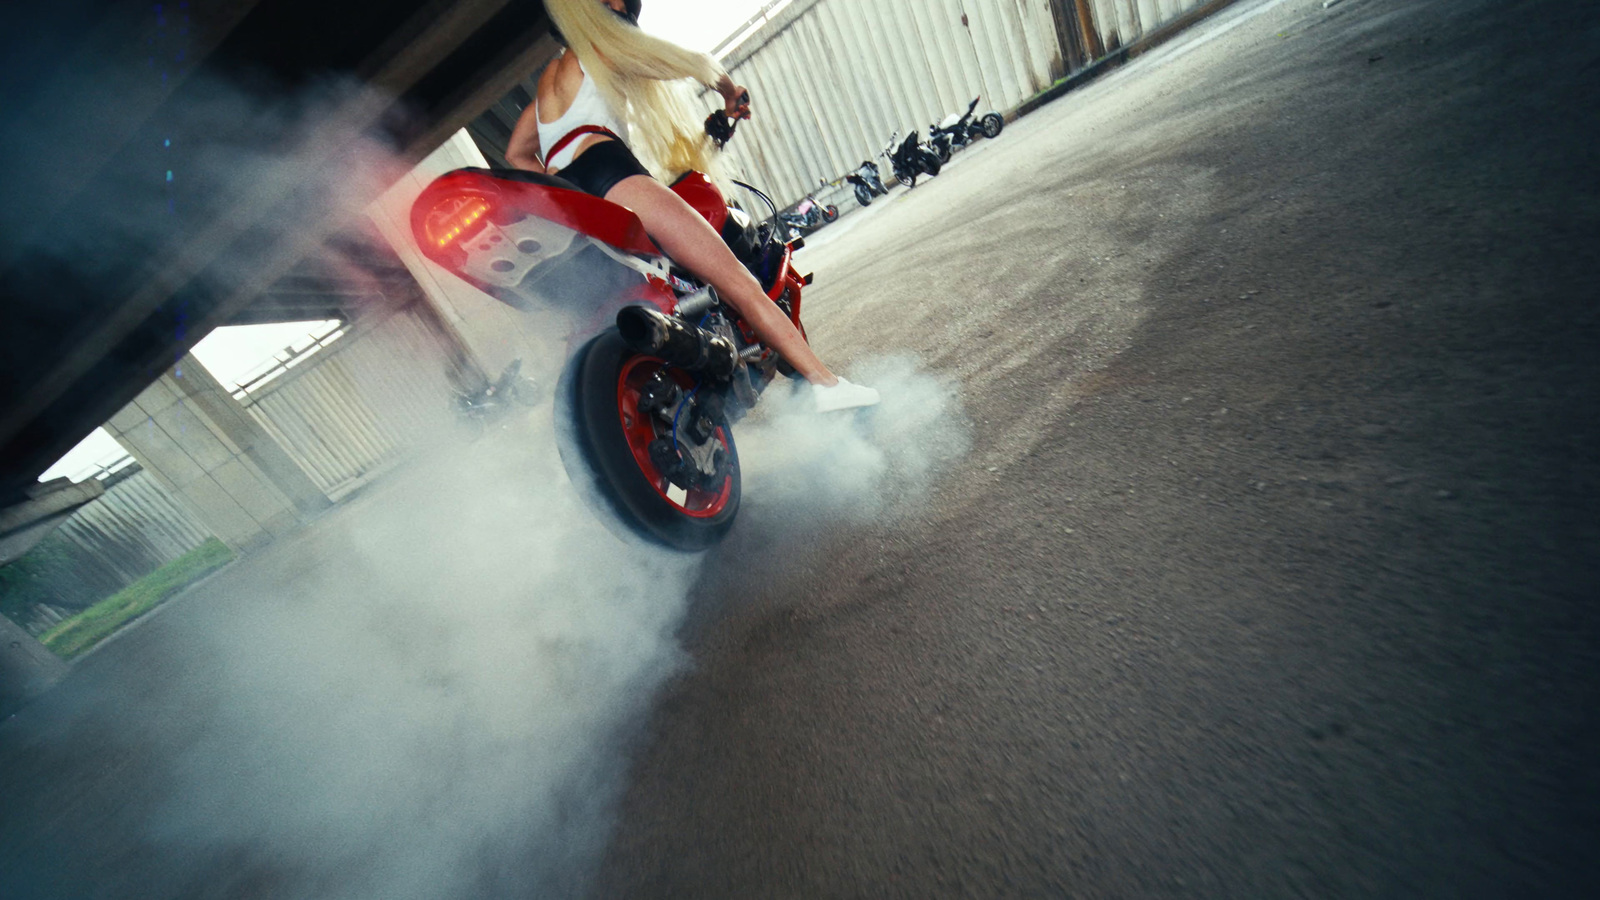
{"points": [[1270, 570]]}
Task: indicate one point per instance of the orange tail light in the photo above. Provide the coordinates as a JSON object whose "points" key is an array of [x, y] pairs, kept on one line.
{"points": [[454, 219]]}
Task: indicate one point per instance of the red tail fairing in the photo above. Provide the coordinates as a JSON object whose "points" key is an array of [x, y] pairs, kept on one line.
{"points": [[457, 206]]}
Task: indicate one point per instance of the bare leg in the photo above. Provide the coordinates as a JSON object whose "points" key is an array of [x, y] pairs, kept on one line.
{"points": [[691, 242]]}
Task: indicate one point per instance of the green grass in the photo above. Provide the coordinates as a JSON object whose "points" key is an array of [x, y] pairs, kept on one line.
{"points": [[73, 637]]}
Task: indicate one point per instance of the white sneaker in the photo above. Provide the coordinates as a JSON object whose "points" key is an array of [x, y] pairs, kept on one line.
{"points": [[843, 395]]}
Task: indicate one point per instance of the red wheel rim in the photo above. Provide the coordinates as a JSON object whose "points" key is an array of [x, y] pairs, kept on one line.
{"points": [[640, 430]]}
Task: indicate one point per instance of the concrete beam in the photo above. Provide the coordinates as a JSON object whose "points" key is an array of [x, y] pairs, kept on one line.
{"points": [[25, 524], [102, 330]]}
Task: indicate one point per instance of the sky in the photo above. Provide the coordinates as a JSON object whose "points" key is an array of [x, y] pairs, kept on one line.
{"points": [[697, 24], [231, 353]]}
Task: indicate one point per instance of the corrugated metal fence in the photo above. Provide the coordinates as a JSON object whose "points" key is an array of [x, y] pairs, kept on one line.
{"points": [[358, 403], [131, 530], [833, 78]]}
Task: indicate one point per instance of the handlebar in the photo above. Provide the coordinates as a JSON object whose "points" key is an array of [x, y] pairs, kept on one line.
{"points": [[720, 126]]}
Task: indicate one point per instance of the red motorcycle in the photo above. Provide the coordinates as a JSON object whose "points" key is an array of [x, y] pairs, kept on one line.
{"points": [[659, 367]]}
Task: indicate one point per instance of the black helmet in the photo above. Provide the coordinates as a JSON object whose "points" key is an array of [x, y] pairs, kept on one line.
{"points": [[630, 14]]}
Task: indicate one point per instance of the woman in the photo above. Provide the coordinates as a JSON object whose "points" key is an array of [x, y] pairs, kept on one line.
{"points": [[610, 67]]}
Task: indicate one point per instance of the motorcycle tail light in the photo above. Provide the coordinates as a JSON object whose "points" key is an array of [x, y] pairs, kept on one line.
{"points": [[454, 219]]}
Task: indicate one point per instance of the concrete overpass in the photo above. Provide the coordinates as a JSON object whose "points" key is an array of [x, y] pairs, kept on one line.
{"points": [[177, 167], [191, 167]]}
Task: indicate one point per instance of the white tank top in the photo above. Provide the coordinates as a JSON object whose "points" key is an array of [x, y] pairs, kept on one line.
{"points": [[588, 108]]}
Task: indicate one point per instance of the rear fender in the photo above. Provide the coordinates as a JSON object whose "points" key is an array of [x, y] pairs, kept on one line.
{"points": [[539, 246]]}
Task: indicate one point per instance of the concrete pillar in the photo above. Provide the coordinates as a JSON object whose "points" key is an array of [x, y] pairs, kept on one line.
{"points": [[190, 433], [27, 669], [489, 333]]}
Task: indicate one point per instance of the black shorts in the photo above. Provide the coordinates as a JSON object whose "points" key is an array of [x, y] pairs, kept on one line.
{"points": [[599, 168]]}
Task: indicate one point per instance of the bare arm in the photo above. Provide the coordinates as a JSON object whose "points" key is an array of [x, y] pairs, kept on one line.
{"points": [[523, 150]]}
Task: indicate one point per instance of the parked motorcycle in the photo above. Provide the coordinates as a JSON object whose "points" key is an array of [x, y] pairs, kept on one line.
{"points": [[953, 132], [941, 143], [957, 130], [808, 217], [659, 368], [867, 182], [910, 158], [987, 125], [492, 401]]}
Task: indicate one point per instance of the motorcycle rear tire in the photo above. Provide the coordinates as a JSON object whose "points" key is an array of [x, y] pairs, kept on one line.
{"points": [[598, 459], [931, 163], [992, 123]]}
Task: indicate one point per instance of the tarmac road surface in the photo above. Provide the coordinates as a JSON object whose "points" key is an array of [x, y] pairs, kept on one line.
{"points": [[1272, 570]]}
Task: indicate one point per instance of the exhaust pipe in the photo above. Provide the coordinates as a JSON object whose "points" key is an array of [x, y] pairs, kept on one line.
{"points": [[649, 331]]}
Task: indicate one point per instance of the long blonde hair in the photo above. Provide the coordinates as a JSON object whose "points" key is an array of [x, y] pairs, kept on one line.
{"points": [[634, 71]]}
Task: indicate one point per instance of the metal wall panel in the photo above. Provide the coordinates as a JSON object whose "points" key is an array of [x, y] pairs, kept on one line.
{"points": [[131, 530], [831, 79], [359, 403]]}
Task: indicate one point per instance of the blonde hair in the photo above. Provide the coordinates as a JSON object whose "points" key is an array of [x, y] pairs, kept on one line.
{"points": [[634, 71]]}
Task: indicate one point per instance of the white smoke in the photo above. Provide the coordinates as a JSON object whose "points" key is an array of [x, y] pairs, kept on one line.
{"points": [[436, 698], [858, 466], [430, 692], [422, 706]]}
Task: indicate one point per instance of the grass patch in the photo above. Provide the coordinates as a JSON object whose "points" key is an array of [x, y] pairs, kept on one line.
{"points": [[73, 637]]}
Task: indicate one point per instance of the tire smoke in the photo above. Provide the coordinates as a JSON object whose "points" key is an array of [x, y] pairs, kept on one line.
{"points": [[437, 696], [430, 699]]}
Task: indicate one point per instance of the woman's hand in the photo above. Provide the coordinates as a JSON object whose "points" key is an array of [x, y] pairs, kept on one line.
{"points": [[735, 98], [738, 106]]}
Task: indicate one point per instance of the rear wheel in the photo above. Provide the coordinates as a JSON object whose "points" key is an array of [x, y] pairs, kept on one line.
{"points": [[931, 163], [612, 439], [992, 123]]}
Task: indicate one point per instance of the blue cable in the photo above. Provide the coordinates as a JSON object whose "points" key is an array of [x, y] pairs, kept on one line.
{"points": [[679, 412]]}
